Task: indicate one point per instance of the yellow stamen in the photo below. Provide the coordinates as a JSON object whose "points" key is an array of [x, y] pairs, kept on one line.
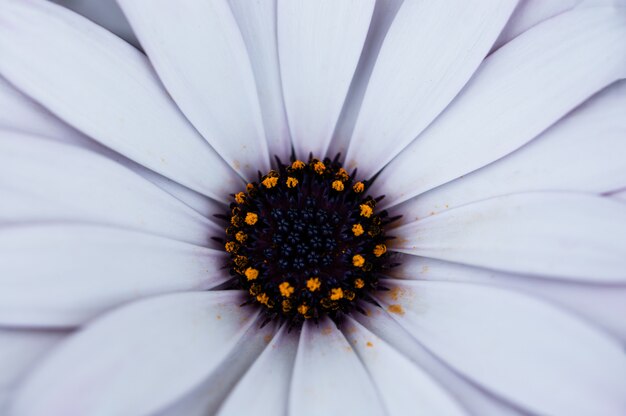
{"points": [[230, 246], [251, 273], [336, 293], [350, 295], [291, 182], [359, 283], [249, 187], [241, 236], [235, 220], [297, 164], [358, 187], [366, 210], [270, 182], [358, 260], [337, 186], [286, 305], [255, 289], [263, 298], [240, 197], [319, 167], [285, 289], [241, 261], [251, 218], [303, 309], [379, 250], [342, 174], [313, 284], [357, 229]]}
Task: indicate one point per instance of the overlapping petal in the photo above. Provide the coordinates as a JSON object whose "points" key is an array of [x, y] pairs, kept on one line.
{"points": [[568, 236], [583, 152], [328, 377], [106, 89], [319, 44], [198, 51], [45, 181], [155, 352], [517, 93], [265, 387], [519, 348], [429, 53], [602, 305], [62, 274]]}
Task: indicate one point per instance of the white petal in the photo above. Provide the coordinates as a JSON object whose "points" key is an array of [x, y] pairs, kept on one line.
{"points": [[107, 89], [518, 92], [619, 195], [515, 346], [403, 387], [328, 378], [562, 235], [530, 13], [583, 152], [473, 398], [257, 22], [265, 387], [22, 114], [60, 275], [46, 181], [430, 52], [198, 51], [20, 352], [106, 13], [140, 358], [319, 44], [601, 305], [382, 18]]}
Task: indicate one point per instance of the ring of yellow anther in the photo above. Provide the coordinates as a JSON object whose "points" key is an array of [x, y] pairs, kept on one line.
{"points": [[305, 241]]}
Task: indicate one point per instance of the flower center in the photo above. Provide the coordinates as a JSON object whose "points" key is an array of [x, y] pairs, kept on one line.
{"points": [[306, 241]]}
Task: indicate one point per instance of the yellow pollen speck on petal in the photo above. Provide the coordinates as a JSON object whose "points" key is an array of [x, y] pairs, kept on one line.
{"points": [[379, 250], [241, 236], [270, 182], [251, 273], [240, 197], [342, 174], [297, 165], [313, 284], [337, 186], [263, 298], [366, 210], [249, 187], [285, 289], [319, 167], [230, 246], [291, 182], [359, 283], [357, 229], [358, 187], [358, 260], [251, 218], [336, 293]]}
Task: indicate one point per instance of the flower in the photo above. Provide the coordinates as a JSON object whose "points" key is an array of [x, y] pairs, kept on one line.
{"points": [[502, 160]]}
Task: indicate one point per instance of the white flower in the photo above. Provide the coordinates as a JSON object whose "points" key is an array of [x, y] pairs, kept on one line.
{"points": [[503, 161]]}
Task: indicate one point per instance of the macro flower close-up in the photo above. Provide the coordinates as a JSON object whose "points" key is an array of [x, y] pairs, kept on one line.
{"points": [[313, 207]]}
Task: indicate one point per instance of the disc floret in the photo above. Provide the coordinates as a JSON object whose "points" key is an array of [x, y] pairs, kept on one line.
{"points": [[305, 241]]}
